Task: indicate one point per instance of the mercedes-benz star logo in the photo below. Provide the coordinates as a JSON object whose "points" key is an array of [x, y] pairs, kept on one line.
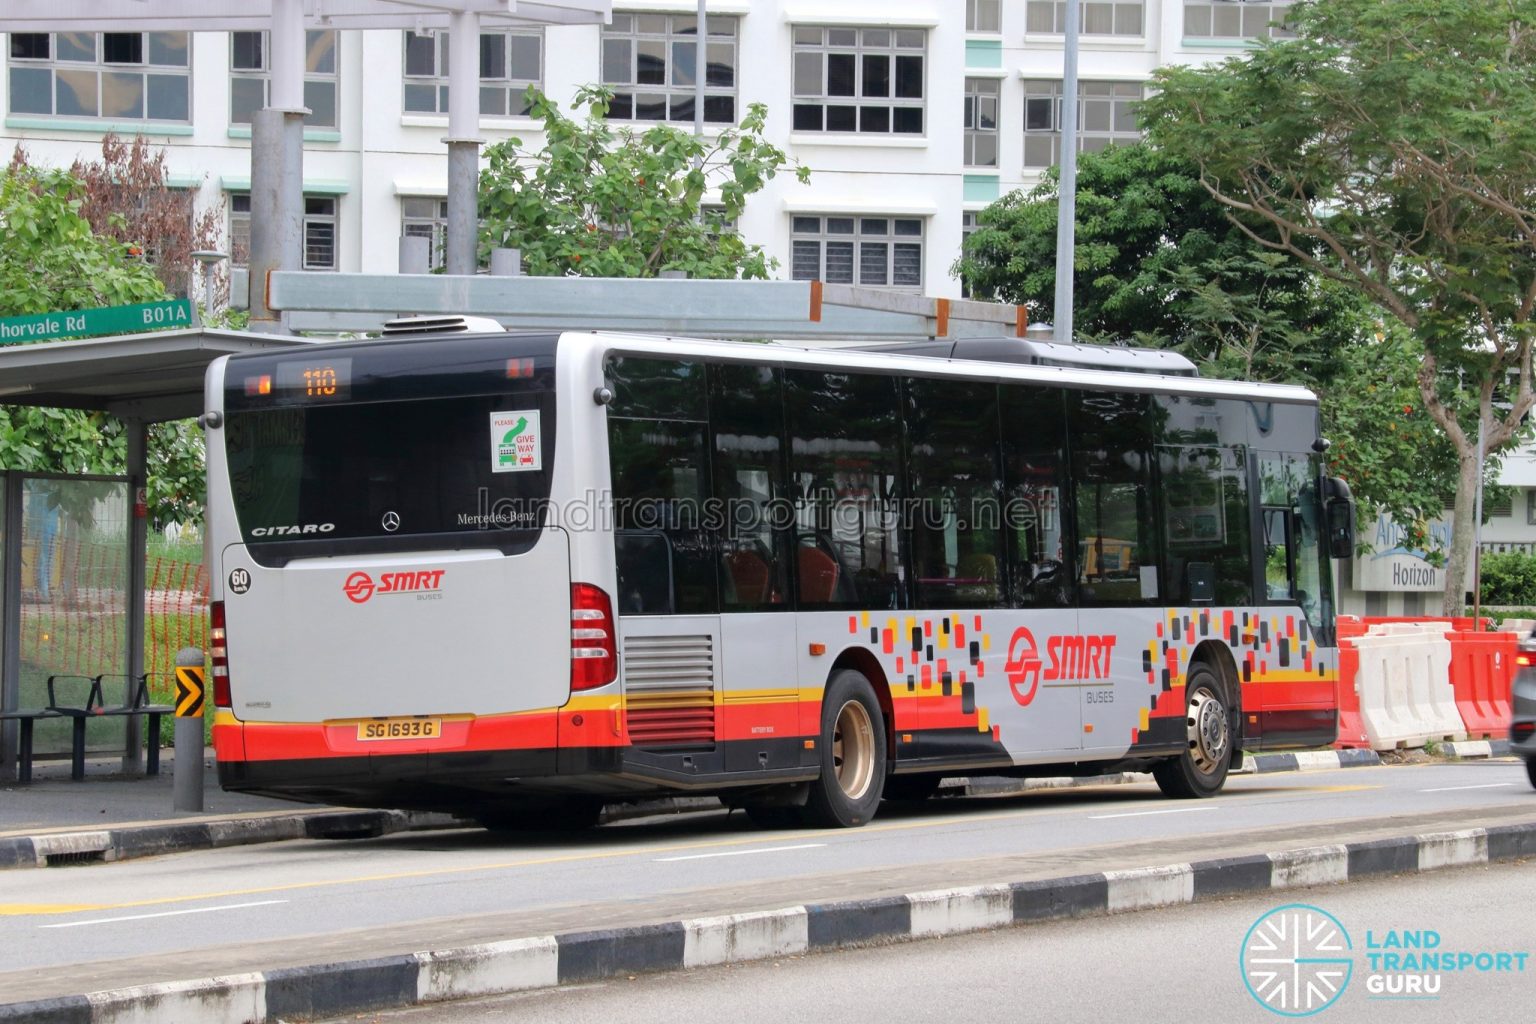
{"points": [[391, 521], [1296, 960]]}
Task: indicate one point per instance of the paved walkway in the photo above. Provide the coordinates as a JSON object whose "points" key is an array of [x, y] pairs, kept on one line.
{"points": [[108, 797]]}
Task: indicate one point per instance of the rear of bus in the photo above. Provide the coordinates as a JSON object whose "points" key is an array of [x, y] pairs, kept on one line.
{"points": [[393, 616]]}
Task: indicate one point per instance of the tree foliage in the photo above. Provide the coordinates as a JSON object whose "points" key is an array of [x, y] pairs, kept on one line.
{"points": [[52, 261], [1161, 263], [606, 201], [1388, 147], [126, 196]]}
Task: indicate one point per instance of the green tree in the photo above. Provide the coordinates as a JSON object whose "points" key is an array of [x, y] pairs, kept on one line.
{"points": [[1160, 262], [606, 201], [1388, 147], [52, 260]]}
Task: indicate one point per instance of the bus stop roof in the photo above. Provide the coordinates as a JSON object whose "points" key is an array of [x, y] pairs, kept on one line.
{"points": [[150, 377]]}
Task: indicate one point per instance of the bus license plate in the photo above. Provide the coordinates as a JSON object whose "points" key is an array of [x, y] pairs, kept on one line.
{"points": [[400, 729]]}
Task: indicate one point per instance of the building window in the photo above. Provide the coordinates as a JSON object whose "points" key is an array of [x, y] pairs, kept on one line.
{"points": [[968, 225], [1235, 19], [1106, 116], [510, 61], [1121, 18], [318, 226], [130, 76], [651, 62], [423, 217], [981, 97], [250, 78], [983, 16], [877, 252], [866, 80]]}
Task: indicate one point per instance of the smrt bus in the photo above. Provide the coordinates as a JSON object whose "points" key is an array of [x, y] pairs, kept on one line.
{"points": [[519, 576]]}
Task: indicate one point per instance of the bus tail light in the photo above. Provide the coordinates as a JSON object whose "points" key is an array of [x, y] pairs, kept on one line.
{"points": [[218, 654], [1525, 659], [594, 653]]}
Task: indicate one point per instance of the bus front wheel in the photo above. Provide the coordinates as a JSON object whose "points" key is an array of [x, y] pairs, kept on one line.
{"points": [[1201, 770], [852, 749]]}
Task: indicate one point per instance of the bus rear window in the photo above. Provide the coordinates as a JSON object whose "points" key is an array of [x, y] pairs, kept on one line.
{"points": [[453, 465]]}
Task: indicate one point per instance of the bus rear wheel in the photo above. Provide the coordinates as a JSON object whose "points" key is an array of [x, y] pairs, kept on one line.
{"points": [[1201, 770], [1530, 770], [852, 749]]}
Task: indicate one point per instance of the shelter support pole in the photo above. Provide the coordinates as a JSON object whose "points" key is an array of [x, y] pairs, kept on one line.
{"points": [[277, 166], [1066, 191], [462, 235], [10, 622], [138, 534]]}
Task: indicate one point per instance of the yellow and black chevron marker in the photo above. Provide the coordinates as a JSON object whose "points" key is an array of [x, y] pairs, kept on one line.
{"points": [[189, 691]]}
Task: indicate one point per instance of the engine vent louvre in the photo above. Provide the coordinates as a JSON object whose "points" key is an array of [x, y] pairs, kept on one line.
{"points": [[669, 691]]}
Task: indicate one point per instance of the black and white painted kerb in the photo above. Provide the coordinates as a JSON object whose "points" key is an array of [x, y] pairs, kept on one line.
{"points": [[545, 961]]}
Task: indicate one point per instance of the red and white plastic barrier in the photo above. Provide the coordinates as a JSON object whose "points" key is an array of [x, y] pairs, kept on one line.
{"points": [[1405, 682]]}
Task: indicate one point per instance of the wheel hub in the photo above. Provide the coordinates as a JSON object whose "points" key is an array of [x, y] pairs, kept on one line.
{"points": [[1208, 731], [853, 750]]}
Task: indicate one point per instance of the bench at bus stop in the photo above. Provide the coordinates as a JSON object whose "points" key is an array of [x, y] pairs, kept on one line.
{"points": [[80, 699]]}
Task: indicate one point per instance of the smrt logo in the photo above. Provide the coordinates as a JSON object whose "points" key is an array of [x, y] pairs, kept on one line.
{"points": [[1023, 665], [360, 586], [1067, 657]]}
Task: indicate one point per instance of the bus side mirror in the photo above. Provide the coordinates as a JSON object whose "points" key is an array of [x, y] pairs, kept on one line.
{"points": [[1341, 529], [1339, 515]]}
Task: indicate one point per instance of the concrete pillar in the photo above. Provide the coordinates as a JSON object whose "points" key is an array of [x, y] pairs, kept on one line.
{"points": [[277, 165], [506, 262], [459, 256]]}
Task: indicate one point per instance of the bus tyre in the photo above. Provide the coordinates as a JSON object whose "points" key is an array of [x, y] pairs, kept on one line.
{"points": [[1201, 770], [852, 750], [912, 788], [1530, 770]]}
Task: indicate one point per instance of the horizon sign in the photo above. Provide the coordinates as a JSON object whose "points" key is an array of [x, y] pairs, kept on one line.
{"points": [[144, 316]]}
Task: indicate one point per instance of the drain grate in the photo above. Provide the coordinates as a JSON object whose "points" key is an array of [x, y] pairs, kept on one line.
{"points": [[73, 857]]}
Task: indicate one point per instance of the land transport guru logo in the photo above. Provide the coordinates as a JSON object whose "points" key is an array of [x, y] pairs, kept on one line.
{"points": [[1298, 959]]}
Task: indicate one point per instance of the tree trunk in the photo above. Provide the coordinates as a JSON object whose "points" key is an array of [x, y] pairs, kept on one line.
{"points": [[1463, 532]]}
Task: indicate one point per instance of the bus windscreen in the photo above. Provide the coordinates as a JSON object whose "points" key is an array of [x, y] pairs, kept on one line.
{"points": [[376, 465]]}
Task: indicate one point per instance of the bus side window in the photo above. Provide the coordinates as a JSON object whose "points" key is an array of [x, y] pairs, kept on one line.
{"points": [[660, 469], [955, 513], [746, 416], [644, 562], [1279, 561], [1112, 495], [1035, 477], [845, 443]]}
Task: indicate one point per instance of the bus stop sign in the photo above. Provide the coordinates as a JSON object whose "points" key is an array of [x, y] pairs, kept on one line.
{"points": [[145, 316]]}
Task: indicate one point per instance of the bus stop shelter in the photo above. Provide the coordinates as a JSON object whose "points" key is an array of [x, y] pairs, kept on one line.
{"points": [[72, 547]]}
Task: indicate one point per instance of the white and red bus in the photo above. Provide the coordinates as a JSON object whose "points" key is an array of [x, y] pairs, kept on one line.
{"points": [[517, 576]]}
